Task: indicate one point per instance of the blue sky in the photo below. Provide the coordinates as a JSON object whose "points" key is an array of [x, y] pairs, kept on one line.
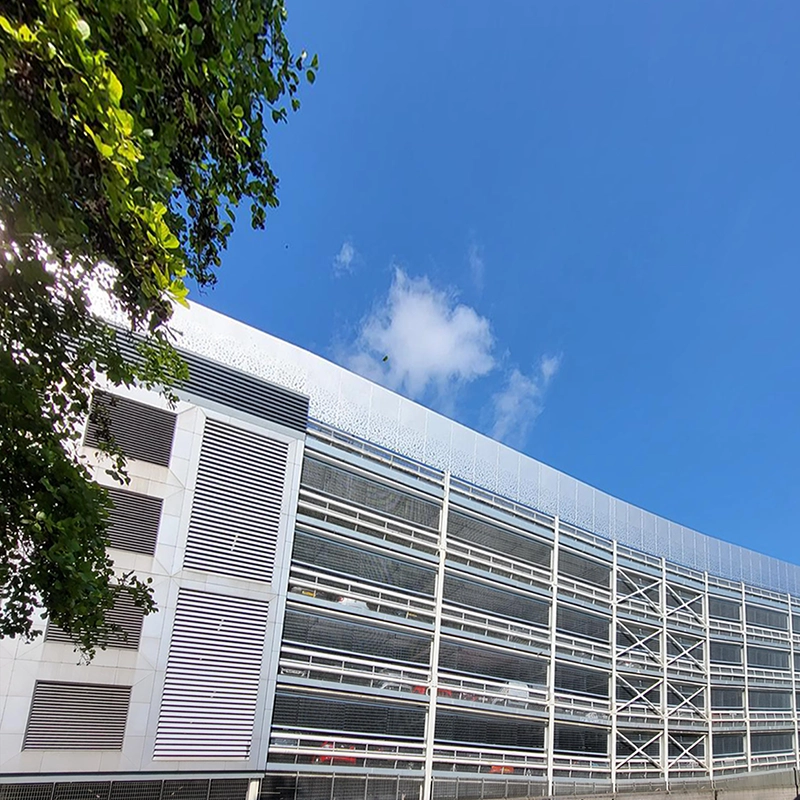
{"points": [[573, 225]]}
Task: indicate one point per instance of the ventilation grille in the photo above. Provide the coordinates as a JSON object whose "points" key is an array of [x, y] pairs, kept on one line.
{"points": [[571, 739], [489, 729], [584, 569], [77, 716], [235, 789], [487, 536], [725, 653], [125, 616], [579, 680], [344, 716], [724, 609], [211, 686], [491, 663], [133, 521], [237, 503], [767, 617], [363, 492], [356, 638], [494, 601], [140, 431], [580, 623], [342, 559]]}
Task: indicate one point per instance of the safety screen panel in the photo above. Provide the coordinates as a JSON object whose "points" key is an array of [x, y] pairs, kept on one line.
{"points": [[364, 492], [579, 680], [513, 545], [767, 658], [77, 716], [133, 521], [585, 569], [761, 743], [570, 620], [347, 716], [489, 729], [122, 629], [237, 503], [573, 739], [766, 617], [724, 609], [345, 560], [351, 637], [210, 692], [728, 744], [142, 432], [725, 653], [768, 699], [727, 697], [495, 601], [487, 663]]}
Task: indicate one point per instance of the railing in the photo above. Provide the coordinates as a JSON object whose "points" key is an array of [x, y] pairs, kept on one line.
{"points": [[470, 621], [487, 561], [463, 758], [513, 696], [579, 647], [589, 710], [569, 586]]}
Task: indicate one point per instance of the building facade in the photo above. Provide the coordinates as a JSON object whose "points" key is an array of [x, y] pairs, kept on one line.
{"points": [[358, 598]]}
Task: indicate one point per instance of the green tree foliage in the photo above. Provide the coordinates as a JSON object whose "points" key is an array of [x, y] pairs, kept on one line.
{"points": [[130, 133]]}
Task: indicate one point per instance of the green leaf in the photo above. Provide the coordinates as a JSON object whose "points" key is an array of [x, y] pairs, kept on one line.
{"points": [[114, 88], [198, 34], [84, 31], [238, 111], [194, 11], [310, 75]]}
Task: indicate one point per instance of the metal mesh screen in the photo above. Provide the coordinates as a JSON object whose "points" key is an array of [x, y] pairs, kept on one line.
{"points": [[728, 744], [328, 714], [726, 697], [342, 559], [769, 700], [235, 789], [133, 521], [633, 635], [571, 620], [489, 729], [724, 609], [513, 545], [90, 790], [643, 586], [135, 790], [766, 617], [491, 663], [26, 791], [585, 569], [644, 689], [370, 494], [140, 431], [579, 680], [682, 744], [767, 658], [725, 653], [771, 742], [495, 601], [682, 597], [685, 694], [572, 739], [648, 741], [351, 637], [185, 790], [193, 789], [678, 643]]}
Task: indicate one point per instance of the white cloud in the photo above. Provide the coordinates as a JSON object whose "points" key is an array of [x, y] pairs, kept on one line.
{"points": [[343, 261], [518, 405], [420, 338], [476, 264]]}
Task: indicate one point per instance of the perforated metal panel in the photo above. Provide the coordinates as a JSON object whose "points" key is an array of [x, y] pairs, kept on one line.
{"points": [[490, 537], [321, 631], [77, 716], [345, 485], [141, 431], [570, 620], [488, 663], [211, 685], [133, 521], [123, 628], [317, 551], [495, 601], [237, 503]]}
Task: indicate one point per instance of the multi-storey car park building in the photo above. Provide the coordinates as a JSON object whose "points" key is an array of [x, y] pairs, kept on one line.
{"points": [[359, 598]]}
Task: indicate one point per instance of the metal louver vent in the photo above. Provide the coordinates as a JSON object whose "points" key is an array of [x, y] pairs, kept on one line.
{"points": [[77, 716], [502, 541], [141, 431], [133, 521], [495, 601], [345, 560], [208, 704], [123, 626], [345, 485], [237, 503]]}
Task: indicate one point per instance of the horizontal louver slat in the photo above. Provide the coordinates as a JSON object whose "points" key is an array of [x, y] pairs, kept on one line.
{"points": [[237, 503], [211, 686], [77, 716], [141, 431], [133, 521]]}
